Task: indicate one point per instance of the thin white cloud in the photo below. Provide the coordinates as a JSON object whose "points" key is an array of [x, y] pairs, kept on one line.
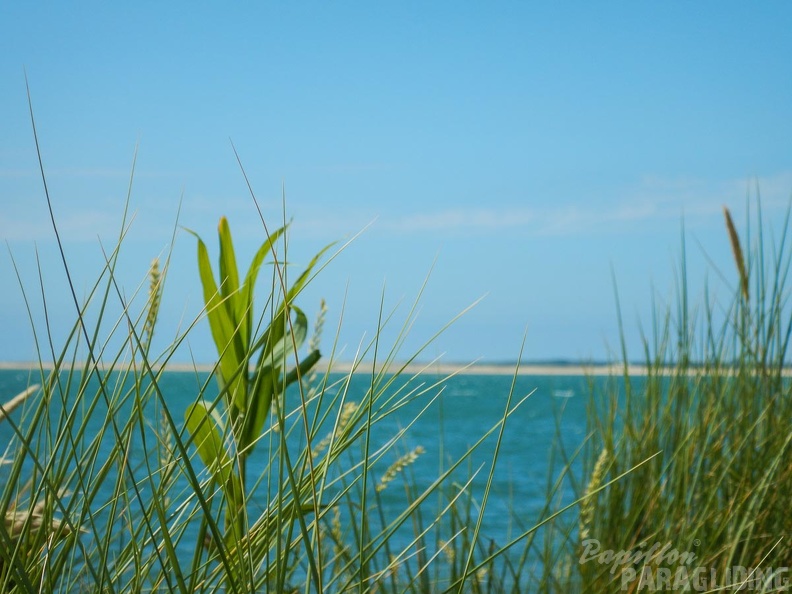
{"points": [[85, 225], [654, 199], [559, 220], [576, 219]]}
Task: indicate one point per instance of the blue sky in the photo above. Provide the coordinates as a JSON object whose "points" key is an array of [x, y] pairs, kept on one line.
{"points": [[521, 151]]}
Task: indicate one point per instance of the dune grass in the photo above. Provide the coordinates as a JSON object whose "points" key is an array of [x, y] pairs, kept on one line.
{"points": [[107, 487], [716, 403], [271, 480]]}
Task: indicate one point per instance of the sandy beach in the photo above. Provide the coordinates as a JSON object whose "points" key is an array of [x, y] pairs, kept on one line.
{"points": [[493, 369], [434, 368]]}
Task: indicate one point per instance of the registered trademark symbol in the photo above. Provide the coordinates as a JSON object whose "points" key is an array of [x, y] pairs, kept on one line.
{"points": [[696, 542]]}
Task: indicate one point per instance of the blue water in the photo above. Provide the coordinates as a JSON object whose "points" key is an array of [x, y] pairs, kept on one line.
{"points": [[465, 407]]}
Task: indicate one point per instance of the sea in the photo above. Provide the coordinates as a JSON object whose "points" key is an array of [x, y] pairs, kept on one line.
{"points": [[444, 417]]}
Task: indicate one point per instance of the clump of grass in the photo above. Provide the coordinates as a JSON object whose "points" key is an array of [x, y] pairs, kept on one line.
{"points": [[716, 402], [108, 489], [110, 485]]}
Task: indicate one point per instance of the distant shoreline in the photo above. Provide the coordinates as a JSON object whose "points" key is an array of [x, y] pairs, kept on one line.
{"points": [[413, 368], [495, 369], [437, 369]]}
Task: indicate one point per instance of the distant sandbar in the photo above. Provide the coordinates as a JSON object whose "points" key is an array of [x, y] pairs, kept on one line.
{"points": [[416, 368]]}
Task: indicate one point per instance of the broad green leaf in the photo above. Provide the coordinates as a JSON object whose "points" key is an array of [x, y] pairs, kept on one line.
{"points": [[238, 310], [233, 490], [233, 355], [272, 333], [250, 281], [260, 402], [273, 338], [235, 383], [301, 370], [229, 275], [306, 275], [221, 326], [281, 338], [206, 428], [294, 336]]}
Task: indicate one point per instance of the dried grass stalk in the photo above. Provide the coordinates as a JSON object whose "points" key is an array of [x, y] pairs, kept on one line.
{"points": [[734, 239], [8, 407]]}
